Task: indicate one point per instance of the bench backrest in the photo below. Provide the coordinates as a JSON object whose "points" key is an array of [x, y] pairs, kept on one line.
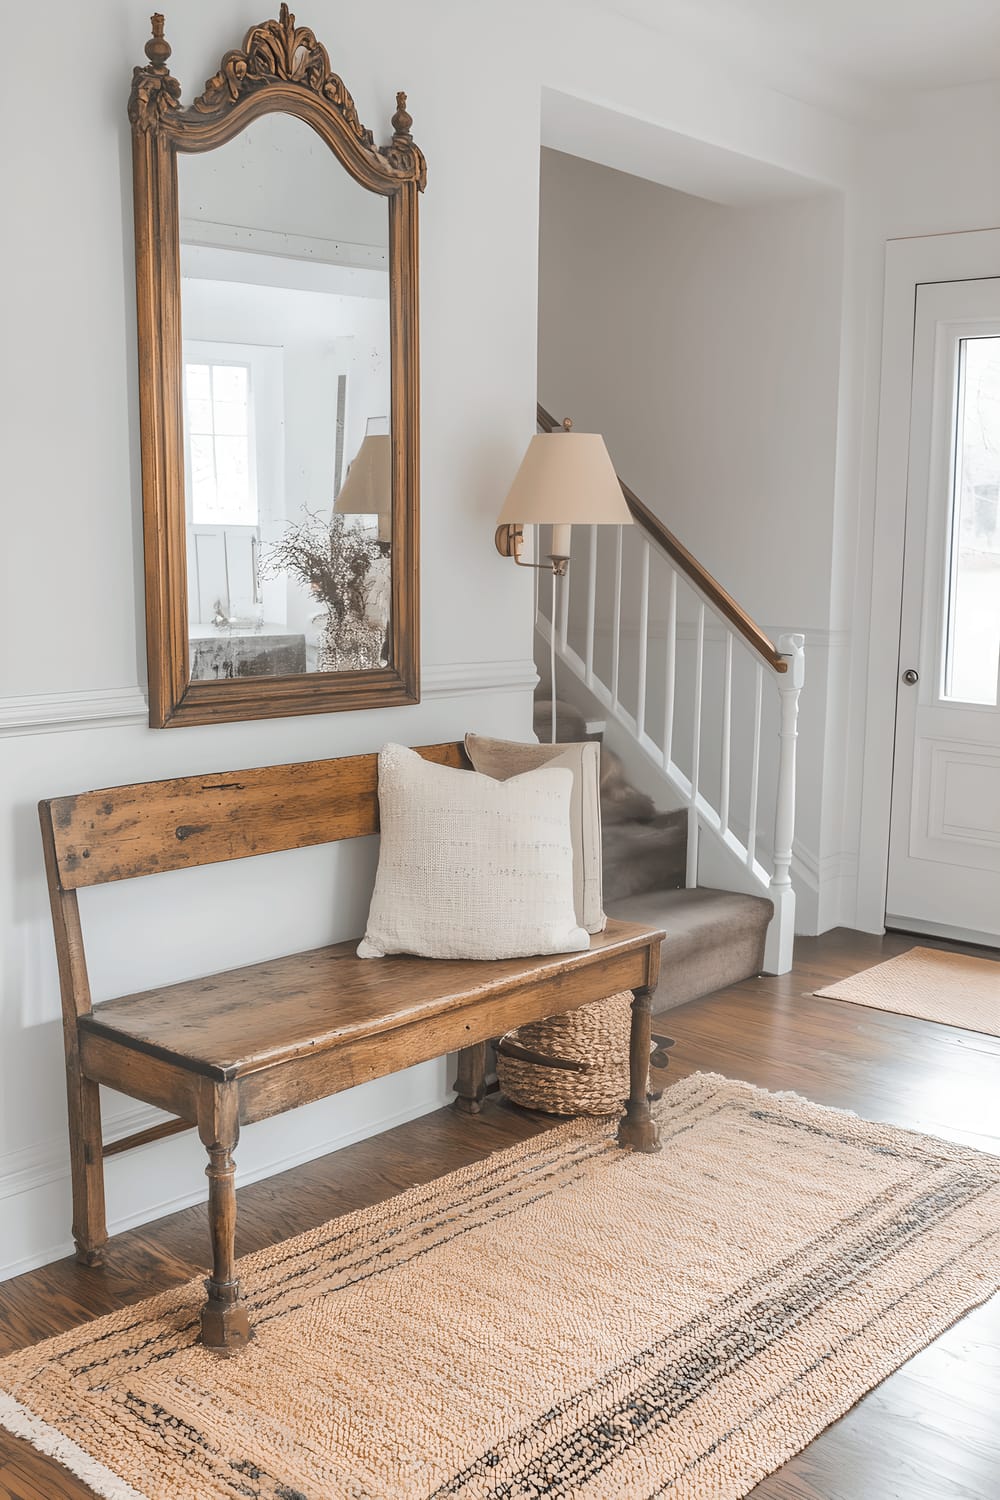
{"points": [[155, 826]]}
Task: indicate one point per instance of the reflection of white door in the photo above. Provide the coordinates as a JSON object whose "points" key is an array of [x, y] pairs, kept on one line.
{"points": [[944, 847], [223, 572]]}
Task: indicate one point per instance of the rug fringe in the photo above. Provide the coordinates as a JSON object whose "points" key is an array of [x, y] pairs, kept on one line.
{"points": [[22, 1423]]}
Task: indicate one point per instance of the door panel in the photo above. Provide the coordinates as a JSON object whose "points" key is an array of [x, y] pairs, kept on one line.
{"points": [[944, 852]]}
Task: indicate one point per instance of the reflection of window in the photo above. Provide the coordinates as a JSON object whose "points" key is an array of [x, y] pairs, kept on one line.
{"points": [[218, 421]]}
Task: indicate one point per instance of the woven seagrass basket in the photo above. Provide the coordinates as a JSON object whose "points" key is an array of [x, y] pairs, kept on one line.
{"points": [[573, 1064]]}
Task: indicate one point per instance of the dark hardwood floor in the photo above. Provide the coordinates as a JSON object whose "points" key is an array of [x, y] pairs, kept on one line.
{"points": [[930, 1432]]}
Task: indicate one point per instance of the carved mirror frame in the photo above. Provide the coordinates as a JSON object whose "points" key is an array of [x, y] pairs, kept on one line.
{"points": [[280, 68]]}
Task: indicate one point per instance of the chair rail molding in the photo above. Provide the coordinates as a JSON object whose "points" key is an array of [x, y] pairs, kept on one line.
{"points": [[457, 679], [46, 713], [99, 708]]}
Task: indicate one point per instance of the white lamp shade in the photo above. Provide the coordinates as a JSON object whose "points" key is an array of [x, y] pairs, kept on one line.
{"points": [[367, 490], [566, 479]]}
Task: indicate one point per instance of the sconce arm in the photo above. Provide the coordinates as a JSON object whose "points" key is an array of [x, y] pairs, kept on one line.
{"points": [[509, 539]]}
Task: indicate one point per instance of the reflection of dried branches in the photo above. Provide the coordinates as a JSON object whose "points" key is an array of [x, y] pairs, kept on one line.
{"points": [[354, 646], [333, 560]]}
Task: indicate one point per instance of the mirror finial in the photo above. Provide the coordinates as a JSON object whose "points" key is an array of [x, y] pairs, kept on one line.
{"points": [[157, 49], [155, 94], [402, 119]]}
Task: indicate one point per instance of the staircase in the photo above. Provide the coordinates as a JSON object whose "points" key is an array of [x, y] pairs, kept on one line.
{"points": [[696, 709]]}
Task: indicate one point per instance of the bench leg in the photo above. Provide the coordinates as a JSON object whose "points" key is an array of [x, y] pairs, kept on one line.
{"points": [[470, 1079], [225, 1325], [638, 1129], [86, 1156]]}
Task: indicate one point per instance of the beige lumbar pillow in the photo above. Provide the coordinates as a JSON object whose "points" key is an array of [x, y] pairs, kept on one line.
{"points": [[470, 867], [505, 758]]}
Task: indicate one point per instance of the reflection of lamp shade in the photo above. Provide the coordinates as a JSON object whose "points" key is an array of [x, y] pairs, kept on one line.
{"points": [[367, 490], [566, 479]]}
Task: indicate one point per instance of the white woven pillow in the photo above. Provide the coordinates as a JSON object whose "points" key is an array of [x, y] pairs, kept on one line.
{"points": [[470, 867]]}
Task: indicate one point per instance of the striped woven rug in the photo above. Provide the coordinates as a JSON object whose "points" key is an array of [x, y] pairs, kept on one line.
{"points": [[562, 1319]]}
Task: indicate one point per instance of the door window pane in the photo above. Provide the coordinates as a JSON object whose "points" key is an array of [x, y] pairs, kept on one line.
{"points": [[972, 655]]}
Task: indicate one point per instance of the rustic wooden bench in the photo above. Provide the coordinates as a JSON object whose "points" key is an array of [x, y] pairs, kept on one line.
{"points": [[242, 1045]]}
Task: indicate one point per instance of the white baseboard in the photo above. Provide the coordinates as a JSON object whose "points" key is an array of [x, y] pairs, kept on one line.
{"points": [[47, 1167], [823, 885], [918, 927]]}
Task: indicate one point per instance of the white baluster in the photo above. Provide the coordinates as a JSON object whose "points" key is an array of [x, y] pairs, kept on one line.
{"points": [[727, 717], [755, 765], [616, 640], [779, 955], [640, 711], [670, 677], [591, 604], [691, 878]]}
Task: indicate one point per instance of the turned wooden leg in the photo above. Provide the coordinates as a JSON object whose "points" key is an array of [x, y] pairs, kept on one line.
{"points": [[470, 1079], [225, 1325], [86, 1157], [638, 1129]]}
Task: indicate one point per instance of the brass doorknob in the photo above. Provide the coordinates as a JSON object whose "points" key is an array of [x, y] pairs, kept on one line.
{"points": [[911, 677]]}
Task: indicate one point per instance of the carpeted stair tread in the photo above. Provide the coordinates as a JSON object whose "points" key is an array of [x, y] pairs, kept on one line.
{"points": [[648, 856], [713, 938]]}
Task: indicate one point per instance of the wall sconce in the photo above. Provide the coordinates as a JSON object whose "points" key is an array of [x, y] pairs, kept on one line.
{"points": [[566, 479], [367, 490]]}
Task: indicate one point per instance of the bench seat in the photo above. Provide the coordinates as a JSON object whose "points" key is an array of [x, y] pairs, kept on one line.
{"points": [[240, 1021]]}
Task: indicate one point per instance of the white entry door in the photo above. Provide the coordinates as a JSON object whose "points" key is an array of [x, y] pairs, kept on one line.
{"points": [[944, 848]]}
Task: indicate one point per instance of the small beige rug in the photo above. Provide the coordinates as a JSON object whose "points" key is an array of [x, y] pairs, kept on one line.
{"points": [[562, 1319], [933, 986]]}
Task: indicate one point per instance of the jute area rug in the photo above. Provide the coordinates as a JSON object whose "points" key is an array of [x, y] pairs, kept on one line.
{"points": [[931, 985], [562, 1319]]}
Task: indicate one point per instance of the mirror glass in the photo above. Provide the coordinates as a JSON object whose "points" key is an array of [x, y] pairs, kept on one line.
{"points": [[286, 405]]}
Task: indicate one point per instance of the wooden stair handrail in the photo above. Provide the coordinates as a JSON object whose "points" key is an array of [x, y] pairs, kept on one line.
{"points": [[720, 599]]}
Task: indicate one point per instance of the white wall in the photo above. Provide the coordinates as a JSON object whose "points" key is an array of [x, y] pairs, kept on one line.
{"points": [[72, 591], [704, 342], [72, 665]]}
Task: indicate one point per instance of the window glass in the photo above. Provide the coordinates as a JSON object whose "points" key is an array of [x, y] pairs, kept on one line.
{"points": [[972, 654], [217, 427]]}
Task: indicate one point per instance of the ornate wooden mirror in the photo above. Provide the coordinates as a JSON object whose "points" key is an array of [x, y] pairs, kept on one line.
{"points": [[276, 270]]}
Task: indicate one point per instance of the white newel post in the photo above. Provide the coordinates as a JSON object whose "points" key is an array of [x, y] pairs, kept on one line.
{"points": [[781, 933]]}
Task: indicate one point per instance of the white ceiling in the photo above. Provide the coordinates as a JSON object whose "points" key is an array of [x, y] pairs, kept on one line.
{"points": [[859, 55], [581, 128]]}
